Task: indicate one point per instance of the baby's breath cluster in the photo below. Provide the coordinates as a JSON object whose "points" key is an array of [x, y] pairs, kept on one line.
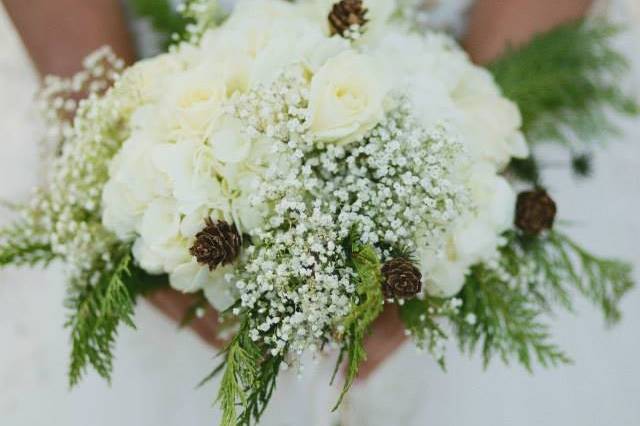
{"points": [[399, 188], [60, 97], [65, 216], [394, 186]]}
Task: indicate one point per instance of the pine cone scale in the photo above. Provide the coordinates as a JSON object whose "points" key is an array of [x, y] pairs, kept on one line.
{"points": [[401, 279], [217, 244]]}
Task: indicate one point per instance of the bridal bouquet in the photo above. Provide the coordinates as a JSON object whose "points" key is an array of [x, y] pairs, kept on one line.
{"points": [[300, 166]]}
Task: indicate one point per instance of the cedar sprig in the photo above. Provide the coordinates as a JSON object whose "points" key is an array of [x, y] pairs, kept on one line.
{"points": [[567, 268], [96, 312], [423, 319], [507, 323], [564, 82], [536, 275], [368, 306], [248, 382]]}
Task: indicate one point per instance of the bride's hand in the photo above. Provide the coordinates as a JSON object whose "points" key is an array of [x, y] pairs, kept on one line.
{"points": [[496, 24], [387, 336], [176, 305]]}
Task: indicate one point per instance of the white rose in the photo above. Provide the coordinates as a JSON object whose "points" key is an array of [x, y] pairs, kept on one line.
{"points": [[149, 76], [193, 101], [347, 98]]}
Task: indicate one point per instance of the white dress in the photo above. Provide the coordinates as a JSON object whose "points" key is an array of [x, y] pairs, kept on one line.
{"points": [[157, 366]]}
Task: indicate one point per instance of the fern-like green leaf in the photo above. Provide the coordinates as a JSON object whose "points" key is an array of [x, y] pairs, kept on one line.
{"points": [[97, 311], [564, 81], [505, 322], [370, 305]]}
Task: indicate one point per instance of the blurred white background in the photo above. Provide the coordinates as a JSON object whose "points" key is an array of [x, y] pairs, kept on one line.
{"points": [[158, 367]]}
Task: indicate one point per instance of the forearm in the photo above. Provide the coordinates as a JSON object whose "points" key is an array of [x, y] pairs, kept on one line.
{"points": [[59, 33], [496, 24]]}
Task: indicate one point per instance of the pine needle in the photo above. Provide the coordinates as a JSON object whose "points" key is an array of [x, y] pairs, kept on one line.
{"points": [[565, 82], [370, 305], [248, 382], [97, 311]]}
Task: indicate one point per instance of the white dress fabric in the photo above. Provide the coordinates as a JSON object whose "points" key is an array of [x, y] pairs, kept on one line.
{"points": [[157, 367]]}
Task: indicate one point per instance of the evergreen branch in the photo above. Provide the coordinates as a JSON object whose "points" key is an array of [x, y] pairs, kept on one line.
{"points": [[534, 275], [603, 281], [564, 81], [505, 322], [370, 304], [564, 78], [261, 393], [96, 314], [162, 16], [248, 381]]}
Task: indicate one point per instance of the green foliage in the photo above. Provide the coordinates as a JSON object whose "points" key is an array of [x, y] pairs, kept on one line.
{"points": [[567, 267], [97, 311], [248, 382], [367, 265], [503, 307], [503, 320], [564, 81], [162, 16]]}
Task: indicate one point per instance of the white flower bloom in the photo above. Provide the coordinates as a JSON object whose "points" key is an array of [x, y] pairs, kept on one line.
{"points": [[191, 277], [229, 142], [492, 122], [347, 98], [160, 222], [192, 102], [190, 168], [476, 236], [135, 182]]}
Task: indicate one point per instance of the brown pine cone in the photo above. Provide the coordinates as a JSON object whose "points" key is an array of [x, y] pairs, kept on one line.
{"points": [[217, 244], [345, 14], [535, 212], [401, 279]]}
